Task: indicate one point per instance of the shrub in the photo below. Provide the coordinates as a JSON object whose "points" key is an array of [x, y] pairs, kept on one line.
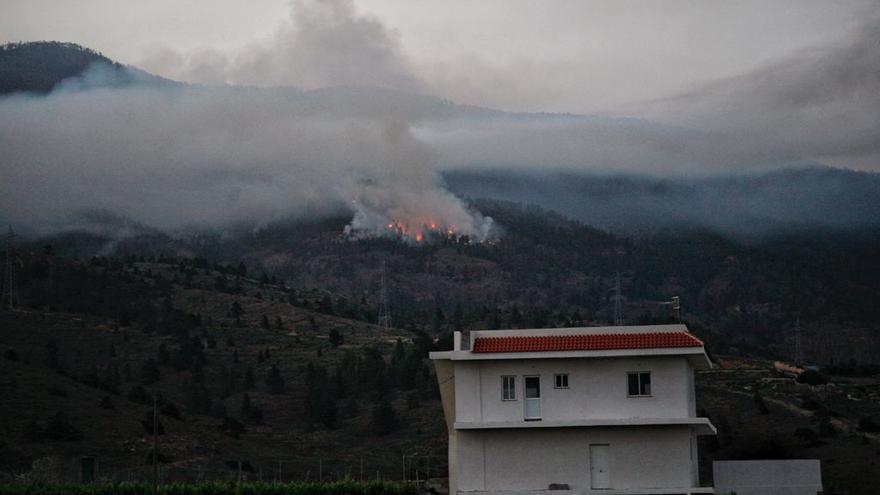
{"points": [[383, 419], [274, 381], [138, 395], [868, 425], [811, 377], [170, 410], [59, 428]]}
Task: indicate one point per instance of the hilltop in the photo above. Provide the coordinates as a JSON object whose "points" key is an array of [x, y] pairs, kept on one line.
{"points": [[41, 66]]}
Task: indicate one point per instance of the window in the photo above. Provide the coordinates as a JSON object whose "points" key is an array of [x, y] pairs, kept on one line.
{"points": [[508, 387], [561, 380], [639, 384]]}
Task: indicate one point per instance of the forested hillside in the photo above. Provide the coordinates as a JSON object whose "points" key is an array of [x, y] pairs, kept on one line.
{"points": [[242, 371], [545, 270], [39, 67]]}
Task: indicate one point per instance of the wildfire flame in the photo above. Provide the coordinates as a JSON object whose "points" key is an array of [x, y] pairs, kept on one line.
{"points": [[428, 230]]}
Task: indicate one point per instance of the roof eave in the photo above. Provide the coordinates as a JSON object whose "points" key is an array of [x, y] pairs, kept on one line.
{"points": [[702, 360]]}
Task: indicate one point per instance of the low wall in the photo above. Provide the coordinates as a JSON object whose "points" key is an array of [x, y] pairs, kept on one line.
{"points": [[788, 477]]}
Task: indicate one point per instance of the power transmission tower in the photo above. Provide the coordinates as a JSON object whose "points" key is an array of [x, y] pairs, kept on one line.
{"points": [[9, 297], [618, 303], [384, 318]]}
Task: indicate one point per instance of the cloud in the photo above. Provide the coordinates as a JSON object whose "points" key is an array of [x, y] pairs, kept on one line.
{"points": [[820, 103], [323, 43]]}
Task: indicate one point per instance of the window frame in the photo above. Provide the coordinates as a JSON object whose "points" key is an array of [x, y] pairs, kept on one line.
{"points": [[504, 398], [639, 384], [556, 380]]}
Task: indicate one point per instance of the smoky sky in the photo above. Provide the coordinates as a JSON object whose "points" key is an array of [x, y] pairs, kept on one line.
{"points": [[330, 111], [822, 103]]}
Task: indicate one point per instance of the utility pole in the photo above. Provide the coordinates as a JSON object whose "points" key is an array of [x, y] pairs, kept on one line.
{"points": [[384, 317], [155, 445], [618, 303], [10, 297], [676, 306]]}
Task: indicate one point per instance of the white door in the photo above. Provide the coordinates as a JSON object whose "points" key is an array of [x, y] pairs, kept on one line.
{"points": [[532, 397], [600, 469]]}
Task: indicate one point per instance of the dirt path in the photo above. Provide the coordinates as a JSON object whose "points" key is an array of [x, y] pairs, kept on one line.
{"points": [[841, 424]]}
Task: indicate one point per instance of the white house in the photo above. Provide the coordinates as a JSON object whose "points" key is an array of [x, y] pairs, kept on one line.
{"points": [[606, 410]]}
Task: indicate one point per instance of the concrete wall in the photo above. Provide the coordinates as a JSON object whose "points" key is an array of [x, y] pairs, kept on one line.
{"points": [[597, 389], [532, 459], [788, 477]]}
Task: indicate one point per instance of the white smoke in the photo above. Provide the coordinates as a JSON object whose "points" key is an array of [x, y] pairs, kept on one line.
{"points": [[178, 158], [404, 199], [323, 43]]}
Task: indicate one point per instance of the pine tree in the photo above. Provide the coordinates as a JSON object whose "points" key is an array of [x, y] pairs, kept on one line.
{"points": [[336, 338], [274, 381], [249, 378], [245, 406], [383, 419], [52, 359], [150, 371]]}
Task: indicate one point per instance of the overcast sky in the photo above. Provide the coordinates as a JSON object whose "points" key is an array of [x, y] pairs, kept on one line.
{"points": [[571, 56]]}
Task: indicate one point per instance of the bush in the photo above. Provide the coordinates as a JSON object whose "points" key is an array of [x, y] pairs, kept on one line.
{"points": [[809, 436], [232, 427], [761, 404], [383, 419], [811, 377], [868, 425], [59, 428], [274, 381], [138, 395], [170, 410]]}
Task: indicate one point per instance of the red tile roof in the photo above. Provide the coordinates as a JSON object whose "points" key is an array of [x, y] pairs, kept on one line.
{"points": [[590, 342]]}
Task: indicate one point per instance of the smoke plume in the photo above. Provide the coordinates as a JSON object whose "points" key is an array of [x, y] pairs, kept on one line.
{"points": [[323, 43], [178, 158]]}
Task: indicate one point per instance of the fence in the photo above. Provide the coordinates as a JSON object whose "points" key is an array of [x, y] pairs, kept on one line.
{"points": [[415, 466]]}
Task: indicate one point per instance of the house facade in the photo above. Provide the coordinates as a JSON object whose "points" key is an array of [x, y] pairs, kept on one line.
{"points": [[592, 410]]}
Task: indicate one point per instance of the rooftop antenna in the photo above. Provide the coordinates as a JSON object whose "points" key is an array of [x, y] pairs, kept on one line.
{"points": [[9, 296], [676, 306], [384, 318], [618, 304]]}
